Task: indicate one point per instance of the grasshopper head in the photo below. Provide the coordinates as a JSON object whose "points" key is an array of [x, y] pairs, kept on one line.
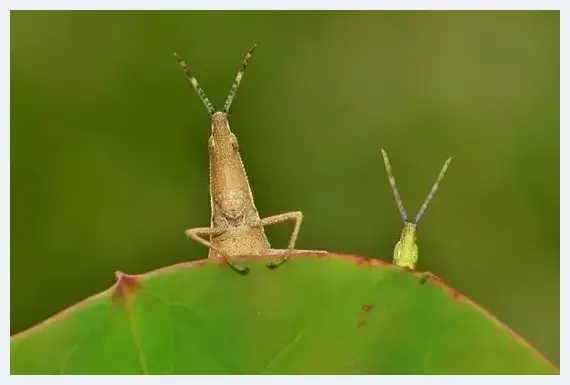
{"points": [[220, 125], [222, 136], [406, 250]]}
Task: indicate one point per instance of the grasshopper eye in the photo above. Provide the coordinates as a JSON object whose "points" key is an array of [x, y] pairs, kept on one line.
{"points": [[211, 144], [234, 142]]}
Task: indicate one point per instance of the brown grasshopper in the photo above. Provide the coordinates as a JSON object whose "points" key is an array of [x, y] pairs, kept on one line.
{"points": [[236, 228]]}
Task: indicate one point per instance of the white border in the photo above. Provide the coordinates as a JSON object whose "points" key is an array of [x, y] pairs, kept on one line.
{"points": [[290, 4], [301, 380], [280, 4], [564, 186]]}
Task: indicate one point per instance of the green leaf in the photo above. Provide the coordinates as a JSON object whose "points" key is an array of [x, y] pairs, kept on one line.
{"points": [[336, 314]]}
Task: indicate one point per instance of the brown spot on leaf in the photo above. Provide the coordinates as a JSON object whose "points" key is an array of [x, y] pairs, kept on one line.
{"points": [[453, 293], [424, 276], [440, 282], [201, 262], [435, 278], [221, 261], [360, 260], [360, 324], [126, 284], [367, 307], [377, 262]]}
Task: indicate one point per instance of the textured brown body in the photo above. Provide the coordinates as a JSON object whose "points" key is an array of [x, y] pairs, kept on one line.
{"points": [[231, 199]]}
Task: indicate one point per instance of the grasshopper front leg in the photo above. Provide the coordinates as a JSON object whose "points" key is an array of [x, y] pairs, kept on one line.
{"points": [[196, 234], [296, 216]]}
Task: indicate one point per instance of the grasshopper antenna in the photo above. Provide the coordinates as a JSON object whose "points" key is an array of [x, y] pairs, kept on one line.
{"points": [[432, 192], [237, 82], [195, 84], [392, 180]]}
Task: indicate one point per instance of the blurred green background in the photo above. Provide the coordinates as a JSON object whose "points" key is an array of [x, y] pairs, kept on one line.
{"points": [[109, 158]]}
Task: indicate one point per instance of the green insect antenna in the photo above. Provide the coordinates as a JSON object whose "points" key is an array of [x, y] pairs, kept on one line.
{"points": [[433, 190], [237, 82], [195, 84], [392, 180]]}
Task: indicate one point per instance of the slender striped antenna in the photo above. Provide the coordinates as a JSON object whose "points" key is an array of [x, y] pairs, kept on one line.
{"points": [[195, 84], [237, 82], [432, 192], [394, 187]]}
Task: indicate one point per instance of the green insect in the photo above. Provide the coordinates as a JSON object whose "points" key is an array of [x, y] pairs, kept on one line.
{"points": [[406, 250]]}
